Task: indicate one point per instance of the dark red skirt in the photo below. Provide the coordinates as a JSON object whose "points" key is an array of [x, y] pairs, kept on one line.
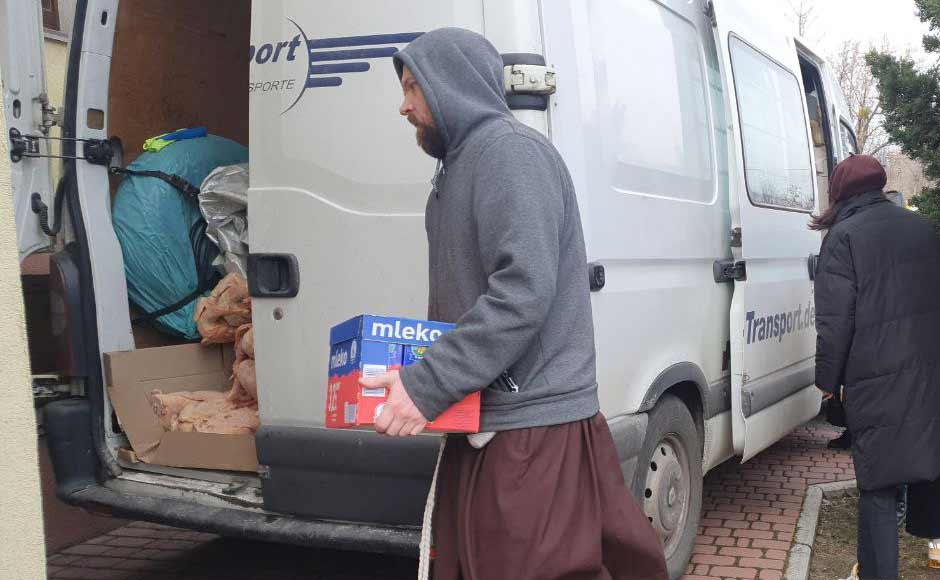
{"points": [[547, 503]]}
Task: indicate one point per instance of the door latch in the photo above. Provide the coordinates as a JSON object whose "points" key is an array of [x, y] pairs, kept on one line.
{"points": [[729, 271], [23, 145], [96, 151]]}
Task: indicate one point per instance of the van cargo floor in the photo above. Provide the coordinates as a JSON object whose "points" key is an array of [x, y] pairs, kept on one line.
{"points": [[229, 486]]}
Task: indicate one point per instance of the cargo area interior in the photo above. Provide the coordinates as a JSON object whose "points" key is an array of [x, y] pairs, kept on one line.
{"points": [[176, 64]]}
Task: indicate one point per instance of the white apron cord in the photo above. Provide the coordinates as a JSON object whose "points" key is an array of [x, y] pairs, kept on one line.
{"points": [[478, 441], [424, 548]]}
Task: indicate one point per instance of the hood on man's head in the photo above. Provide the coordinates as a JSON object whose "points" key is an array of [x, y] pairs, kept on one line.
{"points": [[461, 76], [856, 175]]}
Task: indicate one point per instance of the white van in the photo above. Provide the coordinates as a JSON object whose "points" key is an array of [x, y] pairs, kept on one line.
{"points": [[699, 139]]}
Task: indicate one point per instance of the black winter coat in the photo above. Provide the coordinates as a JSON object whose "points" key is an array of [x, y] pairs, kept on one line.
{"points": [[878, 324]]}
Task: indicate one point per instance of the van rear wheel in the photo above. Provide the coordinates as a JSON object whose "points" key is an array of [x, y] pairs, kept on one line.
{"points": [[668, 480]]}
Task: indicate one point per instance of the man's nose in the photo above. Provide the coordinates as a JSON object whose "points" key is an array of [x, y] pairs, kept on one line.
{"points": [[405, 108]]}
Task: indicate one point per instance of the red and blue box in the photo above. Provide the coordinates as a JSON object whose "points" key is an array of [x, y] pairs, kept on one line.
{"points": [[370, 345]]}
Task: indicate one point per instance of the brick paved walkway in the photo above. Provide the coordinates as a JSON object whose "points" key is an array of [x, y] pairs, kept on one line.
{"points": [[749, 511], [749, 515], [143, 551]]}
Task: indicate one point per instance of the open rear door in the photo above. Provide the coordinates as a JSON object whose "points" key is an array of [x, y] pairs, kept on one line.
{"points": [[24, 89], [773, 193], [338, 184]]}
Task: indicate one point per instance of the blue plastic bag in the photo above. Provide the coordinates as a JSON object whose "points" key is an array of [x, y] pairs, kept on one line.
{"points": [[152, 220]]}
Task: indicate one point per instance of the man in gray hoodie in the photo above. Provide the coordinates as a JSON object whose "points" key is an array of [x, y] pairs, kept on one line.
{"points": [[508, 266]]}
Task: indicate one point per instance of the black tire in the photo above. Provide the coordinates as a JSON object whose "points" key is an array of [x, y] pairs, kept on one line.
{"points": [[669, 471]]}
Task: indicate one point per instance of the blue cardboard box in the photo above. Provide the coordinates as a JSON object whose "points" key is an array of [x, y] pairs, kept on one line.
{"points": [[369, 345]]}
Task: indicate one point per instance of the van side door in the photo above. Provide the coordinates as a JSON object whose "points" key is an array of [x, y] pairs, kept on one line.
{"points": [[773, 194]]}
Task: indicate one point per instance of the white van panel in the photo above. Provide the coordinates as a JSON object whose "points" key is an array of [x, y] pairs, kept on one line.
{"points": [[100, 21], [776, 422], [718, 447], [22, 84], [107, 261], [337, 180], [644, 136]]}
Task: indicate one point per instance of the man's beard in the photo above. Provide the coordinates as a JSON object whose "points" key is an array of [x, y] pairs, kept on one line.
{"points": [[431, 141]]}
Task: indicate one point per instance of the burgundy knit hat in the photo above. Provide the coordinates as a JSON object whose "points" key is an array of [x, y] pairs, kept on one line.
{"points": [[856, 175]]}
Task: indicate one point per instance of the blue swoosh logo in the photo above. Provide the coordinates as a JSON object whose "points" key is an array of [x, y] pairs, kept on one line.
{"points": [[324, 66]]}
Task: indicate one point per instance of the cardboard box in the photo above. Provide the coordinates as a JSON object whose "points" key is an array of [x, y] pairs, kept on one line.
{"points": [[130, 376], [373, 345]]}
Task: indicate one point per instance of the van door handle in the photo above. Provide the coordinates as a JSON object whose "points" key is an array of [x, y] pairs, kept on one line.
{"points": [[273, 275], [811, 264], [597, 278]]}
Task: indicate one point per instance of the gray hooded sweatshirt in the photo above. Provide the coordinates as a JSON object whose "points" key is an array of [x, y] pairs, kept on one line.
{"points": [[507, 257]]}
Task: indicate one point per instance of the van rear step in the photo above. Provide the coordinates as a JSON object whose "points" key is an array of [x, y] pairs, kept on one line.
{"points": [[245, 493], [127, 499], [234, 479]]}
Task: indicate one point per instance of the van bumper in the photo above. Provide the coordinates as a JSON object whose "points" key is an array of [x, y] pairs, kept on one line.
{"points": [[331, 489], [346, 475], [248, 524], [359, 476]]}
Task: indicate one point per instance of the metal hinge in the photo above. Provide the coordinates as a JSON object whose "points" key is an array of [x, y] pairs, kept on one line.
{"points": [[529, 79], [51, 116], [736, 238], [96, 151], [729, 271], [710, 13]]}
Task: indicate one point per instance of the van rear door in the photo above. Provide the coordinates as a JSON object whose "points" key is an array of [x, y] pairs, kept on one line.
{"points": [[336, 204], [24, 90], [773, 194], [338, 183]]}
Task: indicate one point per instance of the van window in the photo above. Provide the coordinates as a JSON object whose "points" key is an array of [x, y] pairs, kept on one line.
{"points": [[777, 164], [849, 144], [659, 137]]}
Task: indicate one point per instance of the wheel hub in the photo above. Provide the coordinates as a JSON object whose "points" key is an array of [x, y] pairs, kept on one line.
{"points": [[667, 491]]}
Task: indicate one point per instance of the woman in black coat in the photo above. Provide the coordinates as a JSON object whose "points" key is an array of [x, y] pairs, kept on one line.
{"points": [[878, 351]]}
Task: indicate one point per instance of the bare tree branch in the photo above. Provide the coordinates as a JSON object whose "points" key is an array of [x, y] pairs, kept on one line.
{"points": [[803, 15], [861, 93], [874, 150]]}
